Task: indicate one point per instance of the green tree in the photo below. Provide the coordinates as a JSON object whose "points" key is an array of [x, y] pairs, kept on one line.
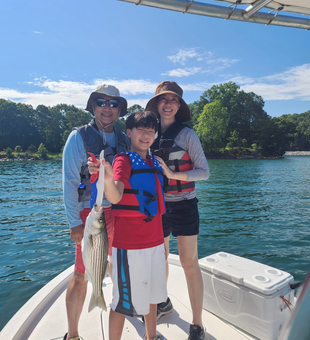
{"points": [[42, 151], [18, 149], [65, 137], [73, 116], [54, 129], [245, 113], [197, 107], [42, 118], [303, 131], [211, 126], [7, 118], [120, 124], [32, 148], [134, 108], [8, 152], [234, 141], [287, 125], [255, 147]]}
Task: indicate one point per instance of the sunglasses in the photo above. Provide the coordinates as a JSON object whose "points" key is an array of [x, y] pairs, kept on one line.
{"points": [[101, 102]]}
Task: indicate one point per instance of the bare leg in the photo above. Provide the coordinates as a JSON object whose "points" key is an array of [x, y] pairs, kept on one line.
{"points": [[75, 297], [116, 324], [150, 322], [189, 260], [110, 267], [166, 239]]}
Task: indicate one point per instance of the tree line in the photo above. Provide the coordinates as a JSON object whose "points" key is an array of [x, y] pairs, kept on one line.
{"points": [[229, 120], [226, 119]]}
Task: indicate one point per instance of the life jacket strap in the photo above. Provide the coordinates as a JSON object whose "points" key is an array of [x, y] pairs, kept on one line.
{"points": [[143, 171], [164, 153], [180, 162], [145, 193], [184, 186], [133, 208]]}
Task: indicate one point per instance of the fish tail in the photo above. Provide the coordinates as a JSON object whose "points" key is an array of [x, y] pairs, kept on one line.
{"points": [[97, 301]]}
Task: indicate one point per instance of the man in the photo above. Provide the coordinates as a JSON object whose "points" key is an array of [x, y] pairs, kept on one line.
{"points": [[106, 104]]}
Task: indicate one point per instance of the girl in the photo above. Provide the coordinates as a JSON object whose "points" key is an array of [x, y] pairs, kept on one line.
{"points": [[180, 154]]}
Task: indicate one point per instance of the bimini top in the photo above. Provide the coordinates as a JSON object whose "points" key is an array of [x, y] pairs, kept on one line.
{"points": [[290, 13]]}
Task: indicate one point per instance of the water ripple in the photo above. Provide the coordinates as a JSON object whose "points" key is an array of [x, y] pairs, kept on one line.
{"points": [[258, 209]]}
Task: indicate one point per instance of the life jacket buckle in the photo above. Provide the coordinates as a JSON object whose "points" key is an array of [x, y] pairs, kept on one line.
{"points": [[152, 199], [149, 218], [82, 186]]}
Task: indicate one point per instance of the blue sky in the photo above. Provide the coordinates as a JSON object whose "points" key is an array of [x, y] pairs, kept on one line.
{"points": [[57, 51]]}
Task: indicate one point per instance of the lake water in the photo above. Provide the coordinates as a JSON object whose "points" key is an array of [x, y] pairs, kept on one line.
{"points": [[259, 209]]}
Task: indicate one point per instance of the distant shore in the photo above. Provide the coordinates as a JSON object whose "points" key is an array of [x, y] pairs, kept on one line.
{"points": [[287, 153], [297, 153], [22, 159]]}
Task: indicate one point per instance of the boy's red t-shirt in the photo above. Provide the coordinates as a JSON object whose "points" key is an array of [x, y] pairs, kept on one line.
{"points": [[134, 232]]}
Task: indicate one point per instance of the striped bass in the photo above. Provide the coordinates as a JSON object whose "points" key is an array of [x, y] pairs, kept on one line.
{"points": [[95, 245], [95, 255]]}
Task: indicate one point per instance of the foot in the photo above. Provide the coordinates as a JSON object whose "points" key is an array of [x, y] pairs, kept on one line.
{"points": [[75, 338], [157, 337], [163, 308], [196, 332]]}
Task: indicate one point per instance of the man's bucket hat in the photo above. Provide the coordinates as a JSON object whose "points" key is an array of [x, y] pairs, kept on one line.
{"points": [[184, 113], [107, 90]]}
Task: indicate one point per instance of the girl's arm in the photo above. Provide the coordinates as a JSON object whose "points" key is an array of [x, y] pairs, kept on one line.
{"points": [[188, 140], [181, 176]]}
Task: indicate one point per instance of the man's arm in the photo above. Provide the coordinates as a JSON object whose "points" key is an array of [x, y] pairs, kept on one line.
{"points": [[73, 157]]}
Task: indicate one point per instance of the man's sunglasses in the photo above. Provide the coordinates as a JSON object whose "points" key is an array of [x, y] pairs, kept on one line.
{"points": [[101, 102]]}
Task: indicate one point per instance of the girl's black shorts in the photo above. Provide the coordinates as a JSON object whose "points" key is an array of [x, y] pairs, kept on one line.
{"points": [[181, 218]]}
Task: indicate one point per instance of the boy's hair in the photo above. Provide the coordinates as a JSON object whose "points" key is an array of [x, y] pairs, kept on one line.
{"points": [[145, 119]]}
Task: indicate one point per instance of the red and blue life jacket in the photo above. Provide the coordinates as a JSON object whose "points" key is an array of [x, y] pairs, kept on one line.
{"points": [[141, 194]]}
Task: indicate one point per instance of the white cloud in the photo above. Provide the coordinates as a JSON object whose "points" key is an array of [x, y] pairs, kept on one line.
{"points": [[179, 72], [190, 55], [37, 32], [74, 93], [183, 55], [293, 83], [220, 63]]}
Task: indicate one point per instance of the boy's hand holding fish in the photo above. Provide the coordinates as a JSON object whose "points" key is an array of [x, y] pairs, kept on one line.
{"points": [[114, 190], [93, 167]]}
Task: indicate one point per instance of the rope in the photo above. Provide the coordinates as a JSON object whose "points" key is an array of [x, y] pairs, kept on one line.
{"points": [[286, 302]]}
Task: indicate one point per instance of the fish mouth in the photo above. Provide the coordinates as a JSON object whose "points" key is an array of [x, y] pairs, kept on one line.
{"points": [[97, 208]]}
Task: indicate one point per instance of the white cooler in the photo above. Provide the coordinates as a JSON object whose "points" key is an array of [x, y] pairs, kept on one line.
{"points": [[246, 293]]}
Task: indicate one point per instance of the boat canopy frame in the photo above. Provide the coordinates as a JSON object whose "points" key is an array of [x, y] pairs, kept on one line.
{"points": [[250, 14]]}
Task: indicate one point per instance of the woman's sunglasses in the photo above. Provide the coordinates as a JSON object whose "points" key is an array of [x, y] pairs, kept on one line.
{"points": [[101, 102]]}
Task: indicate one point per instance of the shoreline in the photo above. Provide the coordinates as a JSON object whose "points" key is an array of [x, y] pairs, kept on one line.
{"points": [[30, 159], [287, 153], [297, 153]]}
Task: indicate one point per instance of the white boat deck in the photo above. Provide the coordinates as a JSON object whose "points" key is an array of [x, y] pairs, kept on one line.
{"points": [[49, 302]]}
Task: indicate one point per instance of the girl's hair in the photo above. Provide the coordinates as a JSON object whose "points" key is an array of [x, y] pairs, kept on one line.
{"points": [[145, 119]]}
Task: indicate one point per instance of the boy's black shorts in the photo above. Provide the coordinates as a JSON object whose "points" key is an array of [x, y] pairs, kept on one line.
{"points": [[181, 218]]}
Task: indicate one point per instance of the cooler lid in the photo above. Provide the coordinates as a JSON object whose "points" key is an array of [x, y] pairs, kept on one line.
{"points": [[259, 277]]}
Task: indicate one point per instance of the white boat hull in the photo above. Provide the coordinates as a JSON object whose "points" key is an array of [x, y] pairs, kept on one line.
{"points": [[44, 315]]}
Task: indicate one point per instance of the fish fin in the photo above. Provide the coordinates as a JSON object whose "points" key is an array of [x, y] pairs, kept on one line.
{"points": [[107, 271], [98, 301]]}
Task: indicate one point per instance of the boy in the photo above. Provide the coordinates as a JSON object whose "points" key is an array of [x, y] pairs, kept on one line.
{"points": [[134, 187]]}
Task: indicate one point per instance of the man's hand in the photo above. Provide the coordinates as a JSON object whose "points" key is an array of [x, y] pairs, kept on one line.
{"points": [[77, 233], [93, 167]]}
